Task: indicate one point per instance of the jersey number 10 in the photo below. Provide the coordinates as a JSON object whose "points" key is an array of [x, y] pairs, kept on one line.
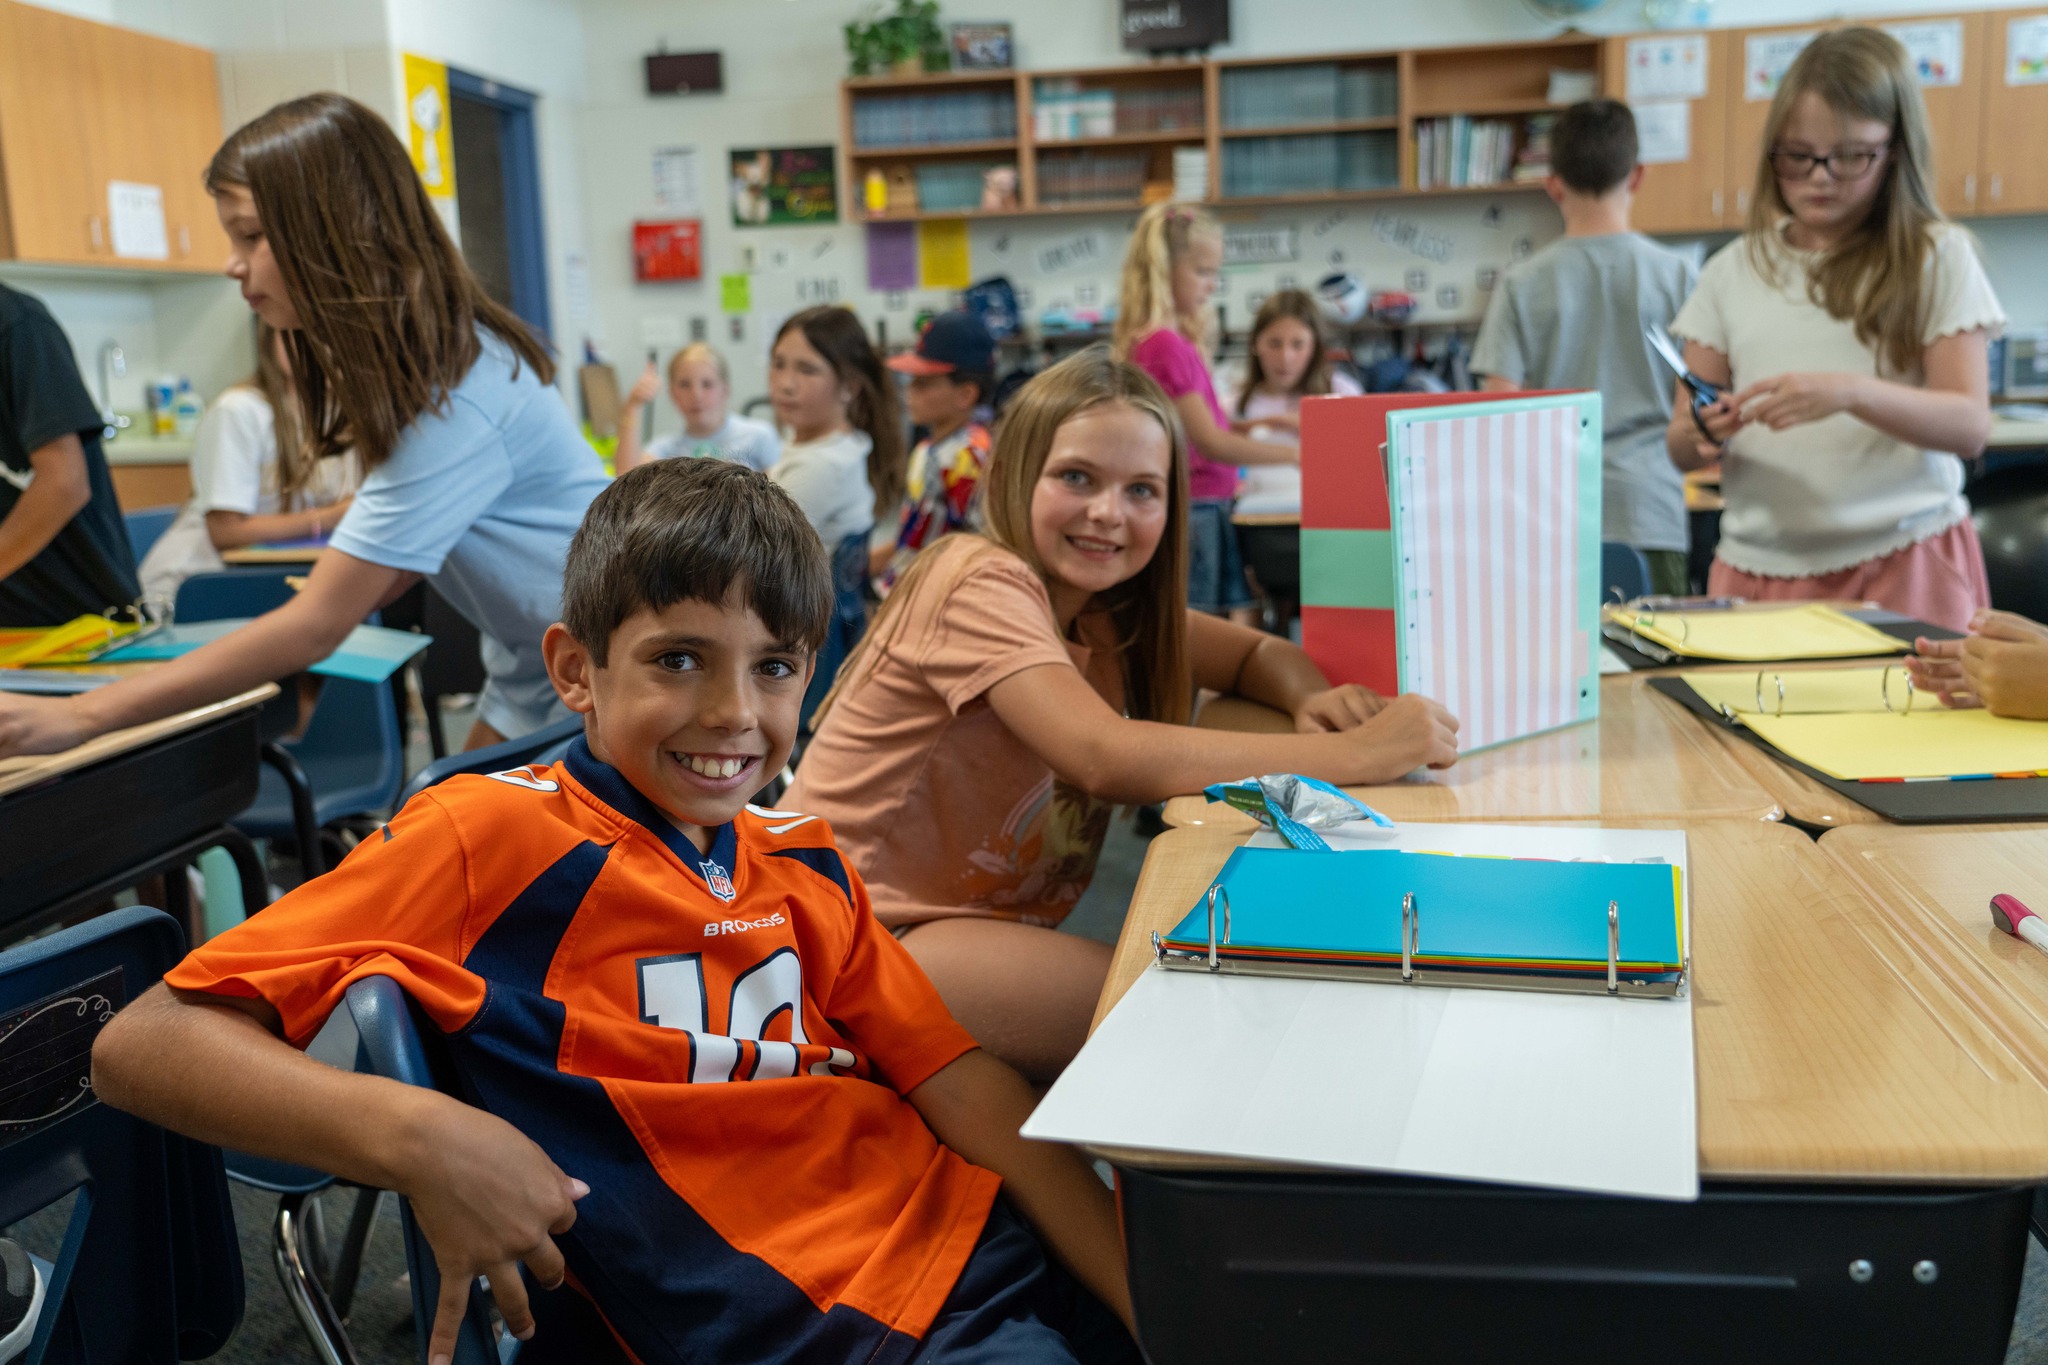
{"points": [[672, 995]]}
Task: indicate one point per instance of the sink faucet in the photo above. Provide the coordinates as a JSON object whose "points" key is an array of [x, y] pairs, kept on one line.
{"points": [[113, 365]]}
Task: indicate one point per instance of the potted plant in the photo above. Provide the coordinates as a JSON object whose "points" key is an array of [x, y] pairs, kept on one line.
{"points": [[905, 40]]}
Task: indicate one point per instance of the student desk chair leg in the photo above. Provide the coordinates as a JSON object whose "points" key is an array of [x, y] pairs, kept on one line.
{"points": [[312, 859]]}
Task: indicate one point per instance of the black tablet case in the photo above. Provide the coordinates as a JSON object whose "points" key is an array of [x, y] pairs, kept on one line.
{"points": [[1908, 803]]}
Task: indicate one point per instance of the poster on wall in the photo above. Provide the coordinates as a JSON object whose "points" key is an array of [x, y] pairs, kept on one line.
{"points": [[1935, 47], [671, 249], [1663, 132], [777, 185], [676, 182], [1766, 57], [426, 124], [2026, 51], [1667, 68]]}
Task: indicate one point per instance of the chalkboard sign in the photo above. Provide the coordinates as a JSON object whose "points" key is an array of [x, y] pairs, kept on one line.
{"points": [[46, 1055], [1174, 25]]}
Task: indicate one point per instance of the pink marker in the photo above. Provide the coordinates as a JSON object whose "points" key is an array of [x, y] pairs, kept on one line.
{"points": [[2009, 914]]}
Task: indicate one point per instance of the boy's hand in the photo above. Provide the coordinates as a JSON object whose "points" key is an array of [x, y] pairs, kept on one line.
{"points": [[644, 388], [1410, 732], [1339, 708], [487, 1199], [1791, 400]]}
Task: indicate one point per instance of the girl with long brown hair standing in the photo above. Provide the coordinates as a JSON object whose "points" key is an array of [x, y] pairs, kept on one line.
{"points": [[1849, 325], [475, 477], [1020, 682]]}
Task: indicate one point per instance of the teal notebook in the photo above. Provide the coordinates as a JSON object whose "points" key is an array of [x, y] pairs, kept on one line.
{"points": [[1476, 920], [369, 654]]}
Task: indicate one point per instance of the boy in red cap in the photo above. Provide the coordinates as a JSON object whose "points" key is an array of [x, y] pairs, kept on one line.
{"points": [[951, 374]]}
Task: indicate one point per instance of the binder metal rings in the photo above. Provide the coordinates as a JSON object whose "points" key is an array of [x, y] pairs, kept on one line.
{"points": [[1215, 892], [1884, 689], [1780, 679], [1411, 936]]}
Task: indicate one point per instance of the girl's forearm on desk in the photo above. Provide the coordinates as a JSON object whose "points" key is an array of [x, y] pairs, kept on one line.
{"points": [[1933, 419]]}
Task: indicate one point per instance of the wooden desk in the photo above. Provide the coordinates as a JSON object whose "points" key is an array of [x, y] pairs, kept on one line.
{"points": [[77, 826], [266, 554], [1936, 885], [1827, 1048], [1645, 758]]}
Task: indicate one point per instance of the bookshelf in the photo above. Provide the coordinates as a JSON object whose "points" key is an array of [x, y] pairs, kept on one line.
{"points": [[1251, 131]]}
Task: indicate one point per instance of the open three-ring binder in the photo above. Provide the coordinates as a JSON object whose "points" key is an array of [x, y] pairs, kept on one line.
{"points": [[1439, 919]]}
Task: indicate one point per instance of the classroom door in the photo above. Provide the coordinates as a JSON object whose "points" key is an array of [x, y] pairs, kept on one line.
{"points": [[2015, 169], [497, 192]]}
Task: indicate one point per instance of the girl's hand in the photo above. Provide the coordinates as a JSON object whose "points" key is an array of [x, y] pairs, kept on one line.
{"points": [[40, 725], [487, 1198], [1279, 421], [1723, 417], [644, 388], [1791, 400], [2005, 664], [1340, 708], [1936, 666], [1409, 732]]}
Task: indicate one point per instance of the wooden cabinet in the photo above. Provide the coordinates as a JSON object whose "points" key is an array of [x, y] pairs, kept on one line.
{"points": [[1690, 195], [1757, 56], [2013, 174], [1955, 112], [84, 106]]}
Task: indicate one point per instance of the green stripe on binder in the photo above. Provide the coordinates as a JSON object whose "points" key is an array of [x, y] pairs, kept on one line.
{"points": [[1347, 568]]}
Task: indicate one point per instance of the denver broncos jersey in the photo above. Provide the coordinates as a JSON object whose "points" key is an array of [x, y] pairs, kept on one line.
{"points": [[717, 1044]]}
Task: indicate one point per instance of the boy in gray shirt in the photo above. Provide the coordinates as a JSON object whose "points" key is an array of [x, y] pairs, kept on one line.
{"points": [[1572, 316]]}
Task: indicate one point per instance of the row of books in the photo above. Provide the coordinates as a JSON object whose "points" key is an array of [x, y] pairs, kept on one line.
{"points": [[923, 120], [1311, 92], [1316, 163], [1061, 108], [1458, 151]]}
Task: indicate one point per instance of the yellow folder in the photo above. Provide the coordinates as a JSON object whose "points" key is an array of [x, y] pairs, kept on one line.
{"points": [[1759, 634]]}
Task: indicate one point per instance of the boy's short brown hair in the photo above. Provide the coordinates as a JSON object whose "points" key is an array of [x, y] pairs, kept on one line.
{"points": [[1593, 146], [703, 529]]}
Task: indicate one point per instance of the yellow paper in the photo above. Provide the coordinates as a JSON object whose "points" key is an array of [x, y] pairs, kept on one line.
{"points": [[1796, 692], [943, 257], [1760, 634], [428, 134], [1926, 742], [76, 641]]}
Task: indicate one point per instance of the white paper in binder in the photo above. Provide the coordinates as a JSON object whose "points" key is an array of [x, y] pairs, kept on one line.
{"points": [[1580, 1092]]}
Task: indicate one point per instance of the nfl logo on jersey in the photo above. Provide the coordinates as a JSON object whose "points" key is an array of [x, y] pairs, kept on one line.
{"points": [[715, 877]]}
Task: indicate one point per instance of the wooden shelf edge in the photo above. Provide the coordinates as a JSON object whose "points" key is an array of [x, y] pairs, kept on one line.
{"points": [[1007, 76], [1389, 123], [1177, 139], [1490, 109], [931, 149]]}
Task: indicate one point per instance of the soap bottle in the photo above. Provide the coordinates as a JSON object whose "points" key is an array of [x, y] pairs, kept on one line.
{"points": [[163, 398], [188, 409]]}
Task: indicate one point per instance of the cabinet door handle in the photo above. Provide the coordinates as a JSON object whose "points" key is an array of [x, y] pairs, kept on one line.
{"points": [[1997, 188], [1970, 188], [1715, 212], [1742, 201], [93, 228], [184, 241]]}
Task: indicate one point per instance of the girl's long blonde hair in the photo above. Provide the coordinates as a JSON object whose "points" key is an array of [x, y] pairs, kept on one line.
{"points": [[1875, 276], [1148, 611], [1145, 298]]}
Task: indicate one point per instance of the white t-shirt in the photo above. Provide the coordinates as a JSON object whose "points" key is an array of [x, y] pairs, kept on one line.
{"points": [[741, 440], [1831, 494], [1277, 487], [828, 478], [482, 498], [234, 469]]}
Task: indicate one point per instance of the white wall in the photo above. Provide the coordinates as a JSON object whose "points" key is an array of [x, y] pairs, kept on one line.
{"points": [[783, 62]]}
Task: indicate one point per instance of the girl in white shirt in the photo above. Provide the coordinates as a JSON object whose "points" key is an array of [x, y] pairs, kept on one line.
{"points": [[700, 386], [1850, 326], [1289, 362], [253, 477]]}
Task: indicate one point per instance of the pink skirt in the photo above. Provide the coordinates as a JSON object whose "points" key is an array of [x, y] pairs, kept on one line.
{"points": [[1939, 580]]}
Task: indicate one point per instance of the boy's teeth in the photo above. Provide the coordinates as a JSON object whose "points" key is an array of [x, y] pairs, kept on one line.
{"points": [[714, 767]]}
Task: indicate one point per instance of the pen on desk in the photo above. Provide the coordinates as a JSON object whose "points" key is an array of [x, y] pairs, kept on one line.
{"points": [[2014, 918]]}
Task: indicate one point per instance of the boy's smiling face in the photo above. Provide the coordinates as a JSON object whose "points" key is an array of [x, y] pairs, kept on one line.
{"points": [[696, 705]]}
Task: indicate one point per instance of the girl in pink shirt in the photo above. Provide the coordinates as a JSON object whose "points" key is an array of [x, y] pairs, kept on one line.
{"points": [[1170, 274], [1020, 683]]}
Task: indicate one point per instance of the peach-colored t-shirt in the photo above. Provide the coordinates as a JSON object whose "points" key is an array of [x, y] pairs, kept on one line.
{"points": [[939, 806]]}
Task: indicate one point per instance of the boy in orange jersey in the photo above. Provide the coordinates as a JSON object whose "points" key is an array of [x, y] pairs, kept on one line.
{"points": [[704, 1081]]}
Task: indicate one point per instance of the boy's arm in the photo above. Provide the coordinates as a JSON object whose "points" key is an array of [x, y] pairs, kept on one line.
{"points": [[486, 1197], [58, 492], [976, 1104]]}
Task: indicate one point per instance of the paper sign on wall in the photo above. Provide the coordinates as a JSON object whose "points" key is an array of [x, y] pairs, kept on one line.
{"points": [[678, 191], [1663, 132], [136, 214], [736, 293], [1936, 49], [1261, 244], [426, 124], [669, 249], [892, 257], [944, 259], [1072, 253], [1667, 68], [1766, 57], [2026, 51]]}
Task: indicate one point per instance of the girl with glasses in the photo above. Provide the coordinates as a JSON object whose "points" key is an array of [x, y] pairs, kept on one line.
{"points": [[1848, 329]]}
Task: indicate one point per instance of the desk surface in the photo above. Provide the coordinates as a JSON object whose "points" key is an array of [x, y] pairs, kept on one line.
{"points": [[1936, 884], [17, 773], [1826, 1048], [1645, 758], [266, 554]]}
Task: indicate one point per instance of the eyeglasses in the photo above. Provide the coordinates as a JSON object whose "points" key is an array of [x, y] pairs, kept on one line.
{"points": [[1851, 163]]}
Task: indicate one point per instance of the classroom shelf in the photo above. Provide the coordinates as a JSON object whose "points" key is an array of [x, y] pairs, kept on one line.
{"points": [[1505, 108], [994, 146], [1356, 125], [1185, 138]]}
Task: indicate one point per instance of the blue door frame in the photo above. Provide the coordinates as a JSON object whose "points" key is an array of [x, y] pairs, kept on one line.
{"points": [[519, 151]]}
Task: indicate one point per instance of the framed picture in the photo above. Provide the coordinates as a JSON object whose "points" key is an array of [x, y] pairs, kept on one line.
{"points": [[982, 47], [780, 185]]}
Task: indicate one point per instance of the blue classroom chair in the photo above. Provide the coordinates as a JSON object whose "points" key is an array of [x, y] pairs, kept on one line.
{"points": [[232, 594], [349, 764], [145, 525], [149, 1270], [1623, 570], [545, 745]]}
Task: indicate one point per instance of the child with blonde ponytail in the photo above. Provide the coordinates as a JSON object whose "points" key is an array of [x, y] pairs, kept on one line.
{"points": [[1170, 274]]}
